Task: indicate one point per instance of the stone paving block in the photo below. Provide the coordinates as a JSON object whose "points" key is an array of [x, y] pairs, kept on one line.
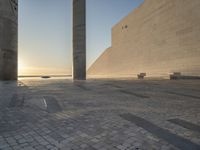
{"points": [[91, 121]]}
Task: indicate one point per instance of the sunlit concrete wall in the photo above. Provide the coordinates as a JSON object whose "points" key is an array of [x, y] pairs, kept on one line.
{"points": [[159, 37], [8, 39]]}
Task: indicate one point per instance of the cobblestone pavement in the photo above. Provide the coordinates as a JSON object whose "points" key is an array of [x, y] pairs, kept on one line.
{"points": [[100, 115]]}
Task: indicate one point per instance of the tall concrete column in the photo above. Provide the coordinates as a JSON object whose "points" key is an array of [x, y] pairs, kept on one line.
{"points": [[79, 39], [8, 39]]}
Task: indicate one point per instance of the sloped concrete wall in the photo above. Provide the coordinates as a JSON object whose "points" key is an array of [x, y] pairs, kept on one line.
{"points": [[159, 37], [8, 39]]}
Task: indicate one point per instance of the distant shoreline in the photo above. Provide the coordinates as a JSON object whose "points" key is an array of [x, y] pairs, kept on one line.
{"points": [[33, 76]]}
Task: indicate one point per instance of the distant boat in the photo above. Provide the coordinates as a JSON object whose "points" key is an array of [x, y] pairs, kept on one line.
{"points": [[45, 77]]}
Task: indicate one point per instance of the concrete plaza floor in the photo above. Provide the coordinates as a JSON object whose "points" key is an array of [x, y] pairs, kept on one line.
{"points": [[100, 115]]}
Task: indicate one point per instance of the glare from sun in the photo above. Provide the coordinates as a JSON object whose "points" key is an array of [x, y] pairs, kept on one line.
{"points": [[21, 66]]}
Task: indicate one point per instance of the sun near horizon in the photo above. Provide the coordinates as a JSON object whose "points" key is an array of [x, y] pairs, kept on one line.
{"points": [[26, 70]]}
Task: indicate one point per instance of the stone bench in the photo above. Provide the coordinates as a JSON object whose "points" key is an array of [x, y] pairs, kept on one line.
{"points": [[141, 75], [175, 76], [178, 75]]}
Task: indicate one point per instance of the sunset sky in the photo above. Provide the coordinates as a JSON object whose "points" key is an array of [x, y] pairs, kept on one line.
{"points": [[45, 32]]}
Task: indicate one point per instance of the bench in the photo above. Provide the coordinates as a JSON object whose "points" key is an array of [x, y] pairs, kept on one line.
{"points": [[175, 76], [141, 75]]}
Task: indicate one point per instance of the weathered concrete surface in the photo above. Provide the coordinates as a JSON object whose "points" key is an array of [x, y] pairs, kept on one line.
{"points": [[48, 114], [79, 39], [8, 39], [158, 38]]}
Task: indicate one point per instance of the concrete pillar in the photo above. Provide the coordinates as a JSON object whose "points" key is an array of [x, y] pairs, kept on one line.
{"points": [[79, 39], [8, 39]]}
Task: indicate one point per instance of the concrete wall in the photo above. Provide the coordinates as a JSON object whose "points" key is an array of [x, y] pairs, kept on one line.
{"points": [[79, 39], [159, 37], [8, 39]]}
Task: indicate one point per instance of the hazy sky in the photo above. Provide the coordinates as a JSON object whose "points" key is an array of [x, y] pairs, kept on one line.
{"points": [[45, 32]]}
